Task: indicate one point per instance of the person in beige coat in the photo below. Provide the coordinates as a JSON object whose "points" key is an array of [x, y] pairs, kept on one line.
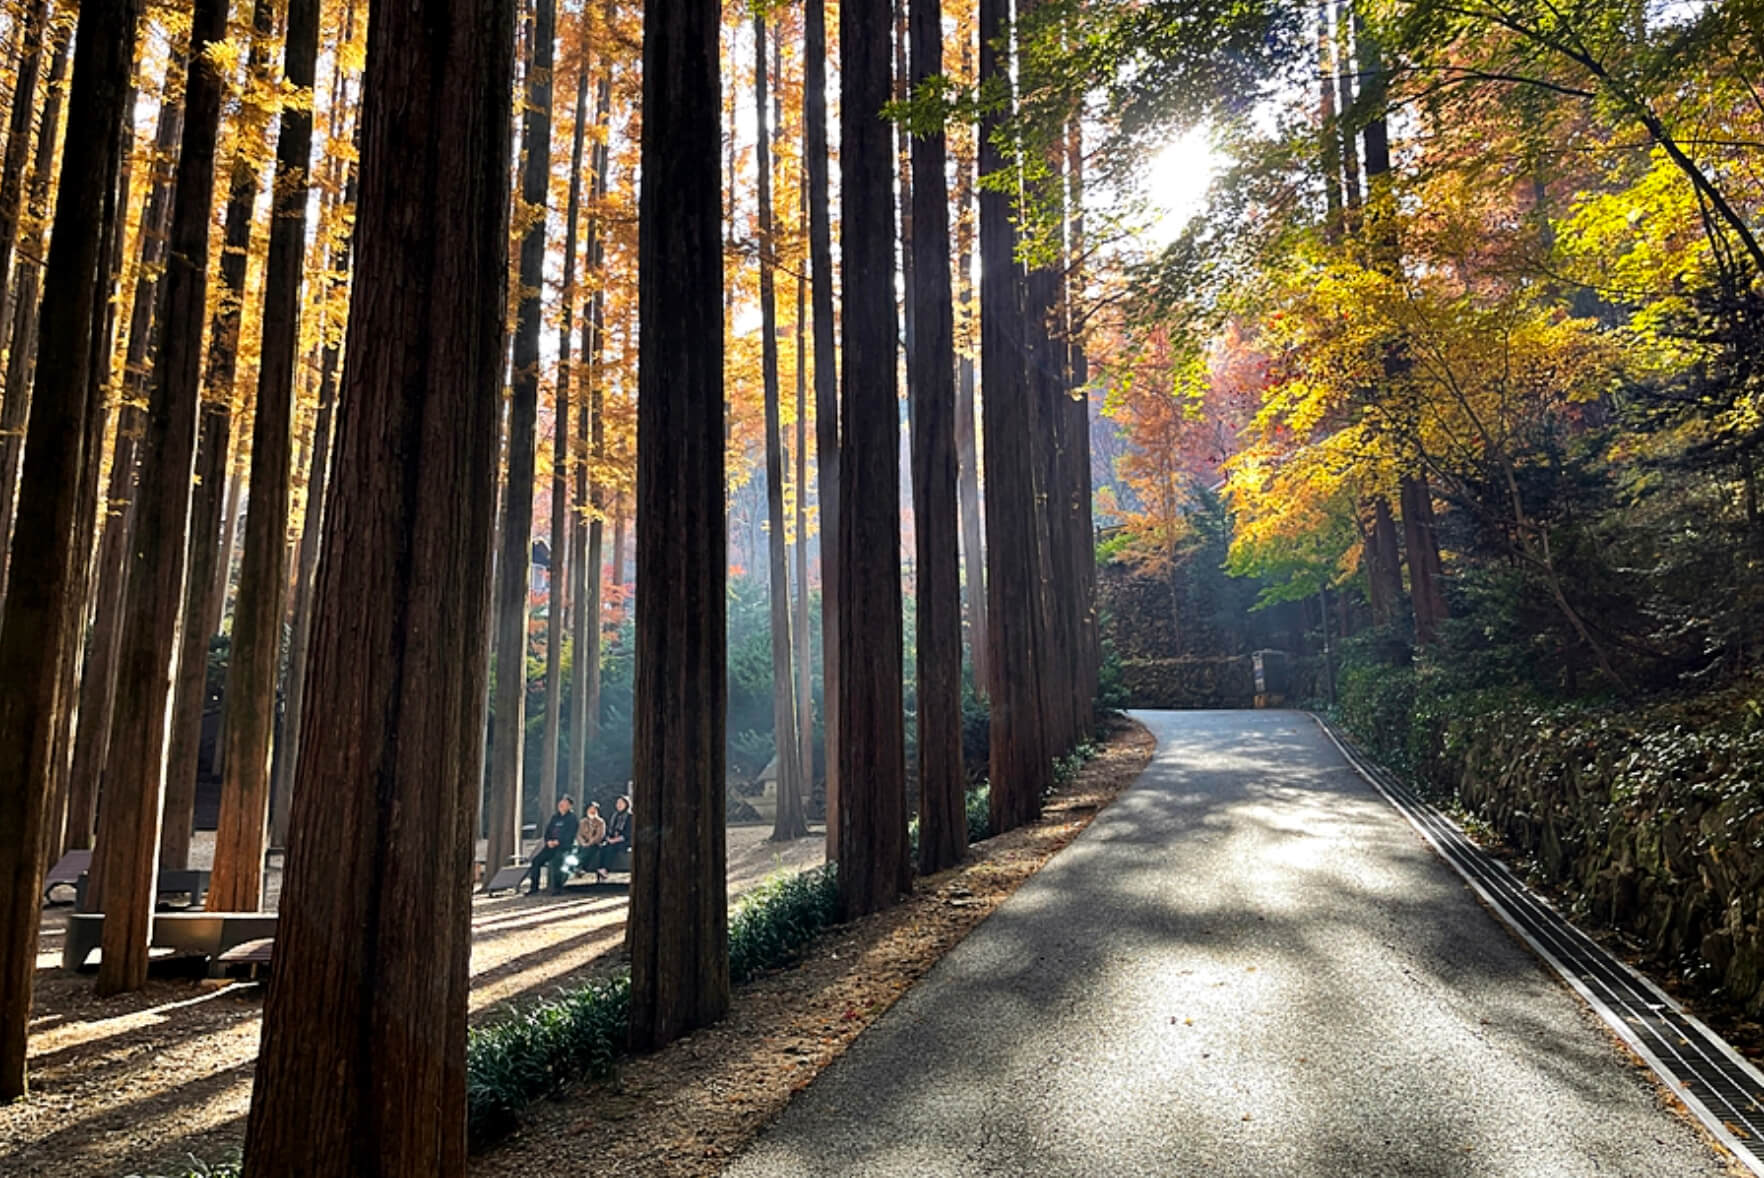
{"points": [[590, 836]]}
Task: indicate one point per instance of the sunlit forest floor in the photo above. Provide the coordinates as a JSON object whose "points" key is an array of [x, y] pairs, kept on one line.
{"points": [[122, 1084]]}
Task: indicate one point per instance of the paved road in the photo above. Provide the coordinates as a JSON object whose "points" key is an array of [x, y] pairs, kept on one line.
{"points": [[1248, 965]]}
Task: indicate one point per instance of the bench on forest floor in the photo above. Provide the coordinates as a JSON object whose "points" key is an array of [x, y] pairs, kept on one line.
{"points": [[186, 934], [256, 956], [510, 878], [68, 871], [185, 881]]}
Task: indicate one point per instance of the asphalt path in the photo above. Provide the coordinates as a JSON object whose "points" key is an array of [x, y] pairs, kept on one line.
{"points": [[1248, 965]]}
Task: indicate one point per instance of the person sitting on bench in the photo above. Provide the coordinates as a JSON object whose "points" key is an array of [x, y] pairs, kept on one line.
{"points": [[618, 837], [560, 835], [588, 839]]}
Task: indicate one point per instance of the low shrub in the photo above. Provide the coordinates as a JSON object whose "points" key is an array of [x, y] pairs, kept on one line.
{"points": [[535, 1050], [978, 805], [194, 1167], [771, 924]]}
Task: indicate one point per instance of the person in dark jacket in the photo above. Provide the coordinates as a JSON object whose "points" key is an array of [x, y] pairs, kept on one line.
{"points": [[618, 836], [560, 836]]}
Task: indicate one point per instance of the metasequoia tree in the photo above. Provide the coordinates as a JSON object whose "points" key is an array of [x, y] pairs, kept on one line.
{"points": [[562, 534], [967, 423], [127, 853], [816, 156], [36, 627], [248, 723], [591, 449], [98, 673], [375, 928], [32, 44], [943, 826], [678, 930], [1019, 750], [27, 278], [789, 822], [508, 717], [873, 866]]}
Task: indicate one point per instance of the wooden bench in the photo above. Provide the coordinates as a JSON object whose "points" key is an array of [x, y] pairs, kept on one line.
{"points": [[68, 872], [186, 934], [256, 956]]}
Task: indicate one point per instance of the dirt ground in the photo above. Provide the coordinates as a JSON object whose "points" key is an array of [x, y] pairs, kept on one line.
{"points": [[137, 1082]]}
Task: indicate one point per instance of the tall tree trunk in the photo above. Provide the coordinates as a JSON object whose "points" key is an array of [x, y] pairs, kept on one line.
{"points": [[190, 690], [98, 677], [591, 446], [1421, 539], [788, 821], [27, 275], [376, 906], [805, 671], [1077, 408], [127, 854], [36, 625], [1019, 755], [678, 931], [967, 424], [250, 711], [903, 174], [1328, 124], [873, 865], [563, 533], [816, 156], [287, 749], [18, 148], [1344, 78], [943, 825], [508, 720], [1383, 568]]}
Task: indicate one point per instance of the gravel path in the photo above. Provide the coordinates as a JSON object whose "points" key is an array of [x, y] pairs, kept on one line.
{"points": [[1249, 965]]}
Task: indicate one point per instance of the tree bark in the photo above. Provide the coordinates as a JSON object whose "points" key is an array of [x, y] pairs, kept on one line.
{"points": [[873, 865], [189, 694], [250, 710], [788, 820], [18, 148], [1421, 539], [27, 276], [508, 717], [562, 533], [1075, 406], [805, 671], [36, 624], [967, 423], [127, 853], [943, 824], [1383, 567], [1019, 753], [678, 933], [816, 156], [591, 442], [287, 750], [375, 911]]}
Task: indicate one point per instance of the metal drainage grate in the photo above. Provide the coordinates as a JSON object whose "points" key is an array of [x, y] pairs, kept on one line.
{"points": [[1724, 1090]]}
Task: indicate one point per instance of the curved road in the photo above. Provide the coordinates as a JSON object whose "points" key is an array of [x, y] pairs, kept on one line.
{"points": [[1248, 965]]}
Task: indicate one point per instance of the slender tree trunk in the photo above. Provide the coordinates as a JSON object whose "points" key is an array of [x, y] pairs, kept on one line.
{"points": [[678, 934], [1344, 78], [1019, 752], [287, 750], [967, 424], [903, 174], [621, 522], [591, 445], [1076, 408], [788, 823], [36, 625], [27, 276], [134, 772], [508, 719], [1421, 539], [563, 533], [873, 865], [1329, 126], [805, 671], [943, 825], [189, 695], [18, 147], [1383, 567], [376, 917], [816, 156], [98, 677], [250, 717]]}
